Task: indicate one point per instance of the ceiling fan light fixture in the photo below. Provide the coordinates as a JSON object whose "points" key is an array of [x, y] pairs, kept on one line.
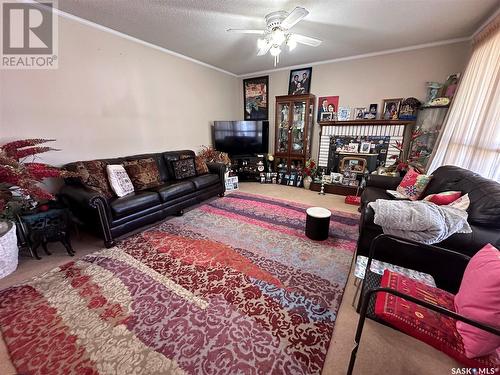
{"points": [[261, 43], [278, 36], [291, 43], [275, 50]]}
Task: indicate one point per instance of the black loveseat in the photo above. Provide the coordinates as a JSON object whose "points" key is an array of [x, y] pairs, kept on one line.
{"points": [[483, 217], [114, 217]]}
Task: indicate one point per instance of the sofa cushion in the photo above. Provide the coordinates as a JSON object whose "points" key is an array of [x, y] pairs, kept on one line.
{"points": [[93, 174], [184, 168], [413, 184], [144, 173], [160, 162], [174, 189], [201, 166], [205, 180], [134, 202], [170, 156], [444, 198], [119, 180]]}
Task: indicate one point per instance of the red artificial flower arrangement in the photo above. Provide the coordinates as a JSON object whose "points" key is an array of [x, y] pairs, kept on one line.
{"points": [[17, 175], [310, 168]]}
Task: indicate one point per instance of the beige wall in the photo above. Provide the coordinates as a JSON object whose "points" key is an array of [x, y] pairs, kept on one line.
{"points": [[112, 96], [369, 80]]}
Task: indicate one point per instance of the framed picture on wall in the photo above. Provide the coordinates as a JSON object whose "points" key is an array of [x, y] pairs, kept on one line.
{"points": [[256, 98], [300, 81]]}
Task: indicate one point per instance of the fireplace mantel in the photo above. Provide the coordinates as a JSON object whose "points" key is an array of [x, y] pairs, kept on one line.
{"points": [[367, 122]]}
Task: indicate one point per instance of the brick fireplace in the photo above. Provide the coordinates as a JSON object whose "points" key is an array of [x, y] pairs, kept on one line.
{"points": [[396, 130]]}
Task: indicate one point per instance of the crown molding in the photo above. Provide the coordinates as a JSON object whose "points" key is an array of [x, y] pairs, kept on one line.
{"points": [[362, 56], [94, 25], [486, 22]]}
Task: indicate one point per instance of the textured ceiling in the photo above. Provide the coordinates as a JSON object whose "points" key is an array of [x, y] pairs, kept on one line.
{"points": [[347, 27]]}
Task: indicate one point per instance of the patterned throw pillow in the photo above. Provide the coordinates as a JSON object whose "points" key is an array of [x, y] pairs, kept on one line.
{"points": [[119, 180], [413, 184], [446, 197], [92, 174], [199, 163], [143, 173], [201, 166], [184, 168]]}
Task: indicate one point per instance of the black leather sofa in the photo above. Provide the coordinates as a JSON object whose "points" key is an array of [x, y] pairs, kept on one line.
{"points": [[483, 215], [112, 218]]}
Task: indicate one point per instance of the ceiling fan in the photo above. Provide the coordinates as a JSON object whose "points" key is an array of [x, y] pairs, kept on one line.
{"points": [[277, 32]]}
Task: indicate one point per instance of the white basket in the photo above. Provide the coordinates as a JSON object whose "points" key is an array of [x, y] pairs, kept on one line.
{"points": [[8, 252]]}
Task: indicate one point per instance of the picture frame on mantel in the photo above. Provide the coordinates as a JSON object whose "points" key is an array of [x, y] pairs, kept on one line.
{"points": [[256, 98]]}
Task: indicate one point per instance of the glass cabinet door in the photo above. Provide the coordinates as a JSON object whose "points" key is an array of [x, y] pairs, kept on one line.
{"points": [[298, 127], [283, 116]]}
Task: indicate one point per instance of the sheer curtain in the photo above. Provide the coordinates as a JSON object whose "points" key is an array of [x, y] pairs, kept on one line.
{"points": [[471, 134]]}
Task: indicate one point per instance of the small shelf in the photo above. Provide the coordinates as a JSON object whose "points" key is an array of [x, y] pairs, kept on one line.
{"points": [[367, 122], [434, 106], [355, 153], [337, 189]]}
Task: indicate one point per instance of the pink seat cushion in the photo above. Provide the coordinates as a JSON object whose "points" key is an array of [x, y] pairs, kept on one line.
{"points": [[479, 299]]}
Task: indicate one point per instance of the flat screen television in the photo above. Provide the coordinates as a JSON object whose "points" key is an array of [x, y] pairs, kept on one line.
{"points": [[241, 137]]}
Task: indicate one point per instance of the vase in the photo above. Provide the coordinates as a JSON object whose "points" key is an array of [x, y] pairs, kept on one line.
{"points": [[8, 248], [307, 182]]}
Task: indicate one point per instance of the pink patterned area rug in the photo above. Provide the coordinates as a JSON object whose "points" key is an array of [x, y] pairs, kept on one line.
{"points": [[231, 287]]}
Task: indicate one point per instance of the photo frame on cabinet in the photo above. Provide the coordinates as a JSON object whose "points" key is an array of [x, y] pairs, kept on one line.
{"points": [[300, 81]]}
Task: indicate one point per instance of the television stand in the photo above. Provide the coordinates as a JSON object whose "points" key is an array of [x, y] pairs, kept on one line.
{"points": [[248, 167]]}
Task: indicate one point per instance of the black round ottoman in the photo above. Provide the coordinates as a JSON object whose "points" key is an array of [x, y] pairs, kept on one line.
{"points": [[317, 223]]}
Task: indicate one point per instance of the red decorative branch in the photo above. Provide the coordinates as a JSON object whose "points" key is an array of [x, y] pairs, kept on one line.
{"points": [[25, 177]]}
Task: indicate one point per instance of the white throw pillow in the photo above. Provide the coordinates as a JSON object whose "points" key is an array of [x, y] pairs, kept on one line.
{"points": [[119, 180], [461, 203]]}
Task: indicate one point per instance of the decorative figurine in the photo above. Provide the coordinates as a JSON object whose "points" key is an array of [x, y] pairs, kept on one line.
{"points": [[322, 191], [433, 91], [408, 110]]}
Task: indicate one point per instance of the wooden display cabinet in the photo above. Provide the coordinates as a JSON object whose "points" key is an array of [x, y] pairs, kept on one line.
{"points": [[294, 130]]}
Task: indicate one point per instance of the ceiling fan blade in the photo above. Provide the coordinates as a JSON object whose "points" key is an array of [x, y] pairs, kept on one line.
{"points": [[307, 40], [295, 16], [264, 49], [245, 31]]}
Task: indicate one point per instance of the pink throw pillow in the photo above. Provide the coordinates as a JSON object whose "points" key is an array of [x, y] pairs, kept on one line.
{"points": [[479, 299], [446, 197], [413, 184]]}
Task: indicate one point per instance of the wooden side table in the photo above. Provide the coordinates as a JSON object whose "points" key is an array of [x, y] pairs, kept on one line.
{"points": [[42, 227]]}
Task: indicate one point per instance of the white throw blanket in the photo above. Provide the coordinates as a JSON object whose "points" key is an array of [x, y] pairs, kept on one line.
{"points": [[420, 221]]}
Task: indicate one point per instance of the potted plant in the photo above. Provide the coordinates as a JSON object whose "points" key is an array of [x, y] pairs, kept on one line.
{"points": [[309, 172], [20, 191]]}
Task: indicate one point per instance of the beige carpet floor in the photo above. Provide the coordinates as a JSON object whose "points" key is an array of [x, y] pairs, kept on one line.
{"points": [[383, 350]]}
